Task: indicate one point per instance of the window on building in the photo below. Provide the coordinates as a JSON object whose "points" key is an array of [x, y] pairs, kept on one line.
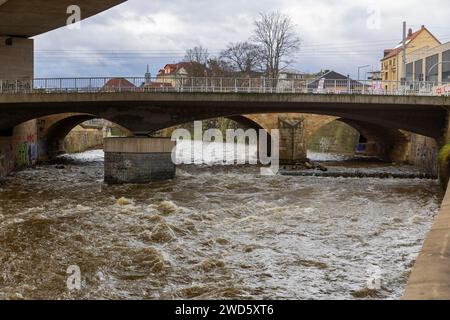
{"points": [[418, 70], [446, 66], [432, 68], [410, 71]]}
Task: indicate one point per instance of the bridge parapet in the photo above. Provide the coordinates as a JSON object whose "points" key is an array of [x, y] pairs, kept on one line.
{"points": [[222, 85]]}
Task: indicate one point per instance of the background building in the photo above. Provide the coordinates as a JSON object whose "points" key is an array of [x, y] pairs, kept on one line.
{"points": [[172, 73], [430, 64], [333, 82], [392, 62]]}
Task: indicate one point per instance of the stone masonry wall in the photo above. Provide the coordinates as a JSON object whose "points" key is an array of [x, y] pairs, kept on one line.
{"points": [[81, 139], [19, 150], [423, 153], [6, 156], [138, 167], [335, 137]]}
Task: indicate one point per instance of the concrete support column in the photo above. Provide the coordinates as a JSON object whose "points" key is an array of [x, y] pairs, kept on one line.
{"points": [[138, 160], [16, 58]]}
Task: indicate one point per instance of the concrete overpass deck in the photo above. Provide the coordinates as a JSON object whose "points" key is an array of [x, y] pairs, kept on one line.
{"points": [[29, 18]]}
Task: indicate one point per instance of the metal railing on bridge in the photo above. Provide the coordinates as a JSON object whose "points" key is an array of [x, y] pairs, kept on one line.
{"points": [[222, 85]]}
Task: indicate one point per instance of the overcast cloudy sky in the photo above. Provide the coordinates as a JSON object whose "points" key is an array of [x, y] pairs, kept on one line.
{"points": [[336, 34]]}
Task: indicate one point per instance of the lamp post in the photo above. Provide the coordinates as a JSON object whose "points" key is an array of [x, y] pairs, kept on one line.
{"points": [[359, 70]]}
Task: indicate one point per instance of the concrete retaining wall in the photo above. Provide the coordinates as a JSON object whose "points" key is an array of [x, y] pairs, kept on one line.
{"points": [[430, 277]]}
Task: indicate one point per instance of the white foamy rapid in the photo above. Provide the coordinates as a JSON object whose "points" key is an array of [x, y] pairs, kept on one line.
{"points": [[214, 232]]}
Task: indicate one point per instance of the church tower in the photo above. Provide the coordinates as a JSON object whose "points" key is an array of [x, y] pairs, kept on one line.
{"points": [[148, 76]]}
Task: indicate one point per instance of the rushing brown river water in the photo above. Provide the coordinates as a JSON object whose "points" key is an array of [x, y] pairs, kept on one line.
{"points": [[217, 232]]}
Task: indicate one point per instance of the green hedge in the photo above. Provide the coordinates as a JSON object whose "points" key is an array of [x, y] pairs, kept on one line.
{"points": [[444, 163]]}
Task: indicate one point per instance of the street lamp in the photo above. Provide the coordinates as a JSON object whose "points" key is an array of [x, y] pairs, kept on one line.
{"points": [[359, 70]]}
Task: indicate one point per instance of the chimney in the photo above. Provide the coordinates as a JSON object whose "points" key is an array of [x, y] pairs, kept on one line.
{"points": [[410, 32], [423, 26]]}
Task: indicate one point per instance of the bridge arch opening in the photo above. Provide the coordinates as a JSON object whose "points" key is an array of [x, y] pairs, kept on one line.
{"points": [[221, 123], [390, 144], [72, 133], [344, 138], [334, 140]]}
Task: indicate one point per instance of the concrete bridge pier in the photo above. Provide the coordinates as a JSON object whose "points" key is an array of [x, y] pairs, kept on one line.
{"points": [[138, 160], [16, 56]]}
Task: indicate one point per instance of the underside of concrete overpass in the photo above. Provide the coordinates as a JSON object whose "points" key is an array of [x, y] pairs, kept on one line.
{"points": [[28, 18]]}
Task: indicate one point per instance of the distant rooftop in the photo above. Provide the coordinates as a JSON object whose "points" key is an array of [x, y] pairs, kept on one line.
{"points": [[389, 53]]}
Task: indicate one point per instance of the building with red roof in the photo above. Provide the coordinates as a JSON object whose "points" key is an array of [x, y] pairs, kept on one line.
{"points": [[392, 61]]}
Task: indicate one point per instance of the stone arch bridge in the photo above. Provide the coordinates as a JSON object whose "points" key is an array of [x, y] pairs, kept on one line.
{"points": [[387, 121]]}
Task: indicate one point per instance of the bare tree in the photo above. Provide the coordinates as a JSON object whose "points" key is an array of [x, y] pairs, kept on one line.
{"points": [[242, 56], [275, 36], [197, 54], [219, 67]]}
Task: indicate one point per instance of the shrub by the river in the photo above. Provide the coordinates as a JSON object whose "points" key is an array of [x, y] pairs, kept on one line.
{"points": [[444, 170]]}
